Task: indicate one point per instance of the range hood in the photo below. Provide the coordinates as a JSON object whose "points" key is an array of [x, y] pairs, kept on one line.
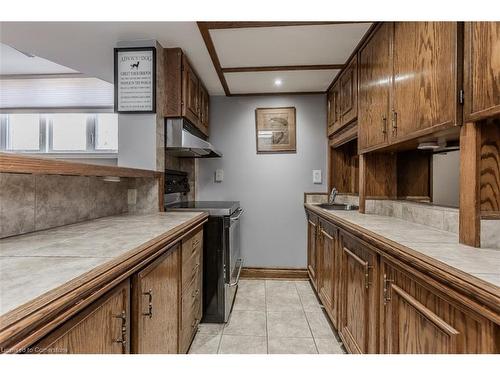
{"points": [[183, 140]]}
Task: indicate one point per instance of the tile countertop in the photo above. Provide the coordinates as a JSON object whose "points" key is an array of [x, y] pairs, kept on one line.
{"points": [[442, 246], [35, 263]]}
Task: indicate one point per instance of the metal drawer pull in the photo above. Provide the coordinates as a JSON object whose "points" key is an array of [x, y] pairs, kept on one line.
{"points": [[367, 275], [387, 285], [384, 124], [195, 293], [150, 303], [394, 121]]}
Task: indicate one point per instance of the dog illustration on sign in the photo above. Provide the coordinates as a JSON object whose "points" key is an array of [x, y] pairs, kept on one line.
{"points": [[136, 65]]}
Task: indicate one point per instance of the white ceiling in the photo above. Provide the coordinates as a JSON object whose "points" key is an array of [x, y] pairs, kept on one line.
{"points": [[291, 81], [290, 45], [13, 61], [88, 46]]}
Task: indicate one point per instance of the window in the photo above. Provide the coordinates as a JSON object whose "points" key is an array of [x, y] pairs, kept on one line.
{"points": [[68, 132], [106, 131], [59, 133], [23, 132]]}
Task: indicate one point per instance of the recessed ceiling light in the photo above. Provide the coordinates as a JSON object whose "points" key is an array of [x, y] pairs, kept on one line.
{"points": [[278, 82]]}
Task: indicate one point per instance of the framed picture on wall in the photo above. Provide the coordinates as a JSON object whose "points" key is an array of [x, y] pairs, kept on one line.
{"points": [[135, 80], [275, 130]]}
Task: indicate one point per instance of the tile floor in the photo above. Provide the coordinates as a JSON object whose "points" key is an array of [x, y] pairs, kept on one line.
{"points": [[271, 317]]}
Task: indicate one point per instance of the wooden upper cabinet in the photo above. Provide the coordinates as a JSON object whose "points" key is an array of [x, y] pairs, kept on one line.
{"points": [[185, 94], [359, 305], [203, 110], [425, 78], [155, 308], [418, 320], [375, 76], [349, 93], [101, 328], [334, 118], [482, 70], [190, 93]]}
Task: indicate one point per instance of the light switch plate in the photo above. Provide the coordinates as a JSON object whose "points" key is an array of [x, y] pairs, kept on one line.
{"points": [[219, 175], [317, 176]]}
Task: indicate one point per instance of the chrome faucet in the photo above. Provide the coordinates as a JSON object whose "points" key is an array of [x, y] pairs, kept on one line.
{"points": [[333, 195]]}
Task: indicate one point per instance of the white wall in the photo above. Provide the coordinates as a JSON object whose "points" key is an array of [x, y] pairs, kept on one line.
{"points": [[270, 187], [446, 179], [137, 141]]}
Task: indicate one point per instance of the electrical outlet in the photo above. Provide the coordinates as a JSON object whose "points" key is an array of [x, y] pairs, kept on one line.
{"points": [[132, 196], [317, 176], [219, 175]]}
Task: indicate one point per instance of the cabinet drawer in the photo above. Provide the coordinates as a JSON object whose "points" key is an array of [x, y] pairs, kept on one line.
{"points": [[191, 312], [191, 245]]}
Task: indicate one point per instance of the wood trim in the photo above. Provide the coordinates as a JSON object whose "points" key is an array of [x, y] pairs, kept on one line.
{"points": [[274, 273], [205, 33], [469, 217], [29, 322], [282, 68], [15, 163], [252, 24], [346, 135], [484, 296], [362, 41], [280, 93], [490, 215]]}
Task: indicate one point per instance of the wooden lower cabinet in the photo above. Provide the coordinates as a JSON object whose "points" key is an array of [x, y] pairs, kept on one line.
{"points": [[154, 316], [191, 288], [416, 319], [359, 296], [312, 239], [327, 283], [101, 328]]}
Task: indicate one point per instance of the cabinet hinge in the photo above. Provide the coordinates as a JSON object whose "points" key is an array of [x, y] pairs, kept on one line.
{"points": [[461, 96]]}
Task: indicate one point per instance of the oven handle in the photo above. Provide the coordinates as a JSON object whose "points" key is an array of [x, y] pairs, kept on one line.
{"points": [[239, 215], [239, 273]]}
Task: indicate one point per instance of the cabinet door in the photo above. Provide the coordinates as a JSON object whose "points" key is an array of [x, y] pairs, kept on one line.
{"points": [[329, 267], [203, 115], [349, 93], [190, 93], [312, 238], [359, 297], [425, 82], [334, 115], [155, 306], [482, 70], [101, 328], [375, 75], [418, 320]]}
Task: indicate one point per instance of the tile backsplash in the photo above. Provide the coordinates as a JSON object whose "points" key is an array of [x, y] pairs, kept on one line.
{"points": [[36, 202]]}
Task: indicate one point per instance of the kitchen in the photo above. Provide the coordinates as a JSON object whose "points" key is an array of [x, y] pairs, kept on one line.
{"points": [[199, 187]]}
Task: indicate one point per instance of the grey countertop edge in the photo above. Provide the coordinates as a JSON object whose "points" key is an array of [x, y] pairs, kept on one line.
{"points": [[493, 288]]}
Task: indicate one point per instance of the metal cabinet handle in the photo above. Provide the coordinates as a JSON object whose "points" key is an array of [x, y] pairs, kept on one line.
{"points": [[123, 339], [394, 121], [367, 275], [387, 285], [384, 124], [195, 293], [239, 273], [149, 293]]}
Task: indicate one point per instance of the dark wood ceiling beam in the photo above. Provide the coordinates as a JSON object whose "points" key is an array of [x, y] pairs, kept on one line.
{"points": [[282, 68], [204, 30], [250, 24]]}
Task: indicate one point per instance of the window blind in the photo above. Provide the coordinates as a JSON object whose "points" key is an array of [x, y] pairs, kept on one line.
{"points": [[55, 93]]}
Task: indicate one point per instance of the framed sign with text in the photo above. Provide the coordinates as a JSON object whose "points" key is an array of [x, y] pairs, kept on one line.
{"points": [[135, 80]]}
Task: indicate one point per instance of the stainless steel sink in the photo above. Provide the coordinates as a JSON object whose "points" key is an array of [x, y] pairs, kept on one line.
{"points": [[338, 206]]}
